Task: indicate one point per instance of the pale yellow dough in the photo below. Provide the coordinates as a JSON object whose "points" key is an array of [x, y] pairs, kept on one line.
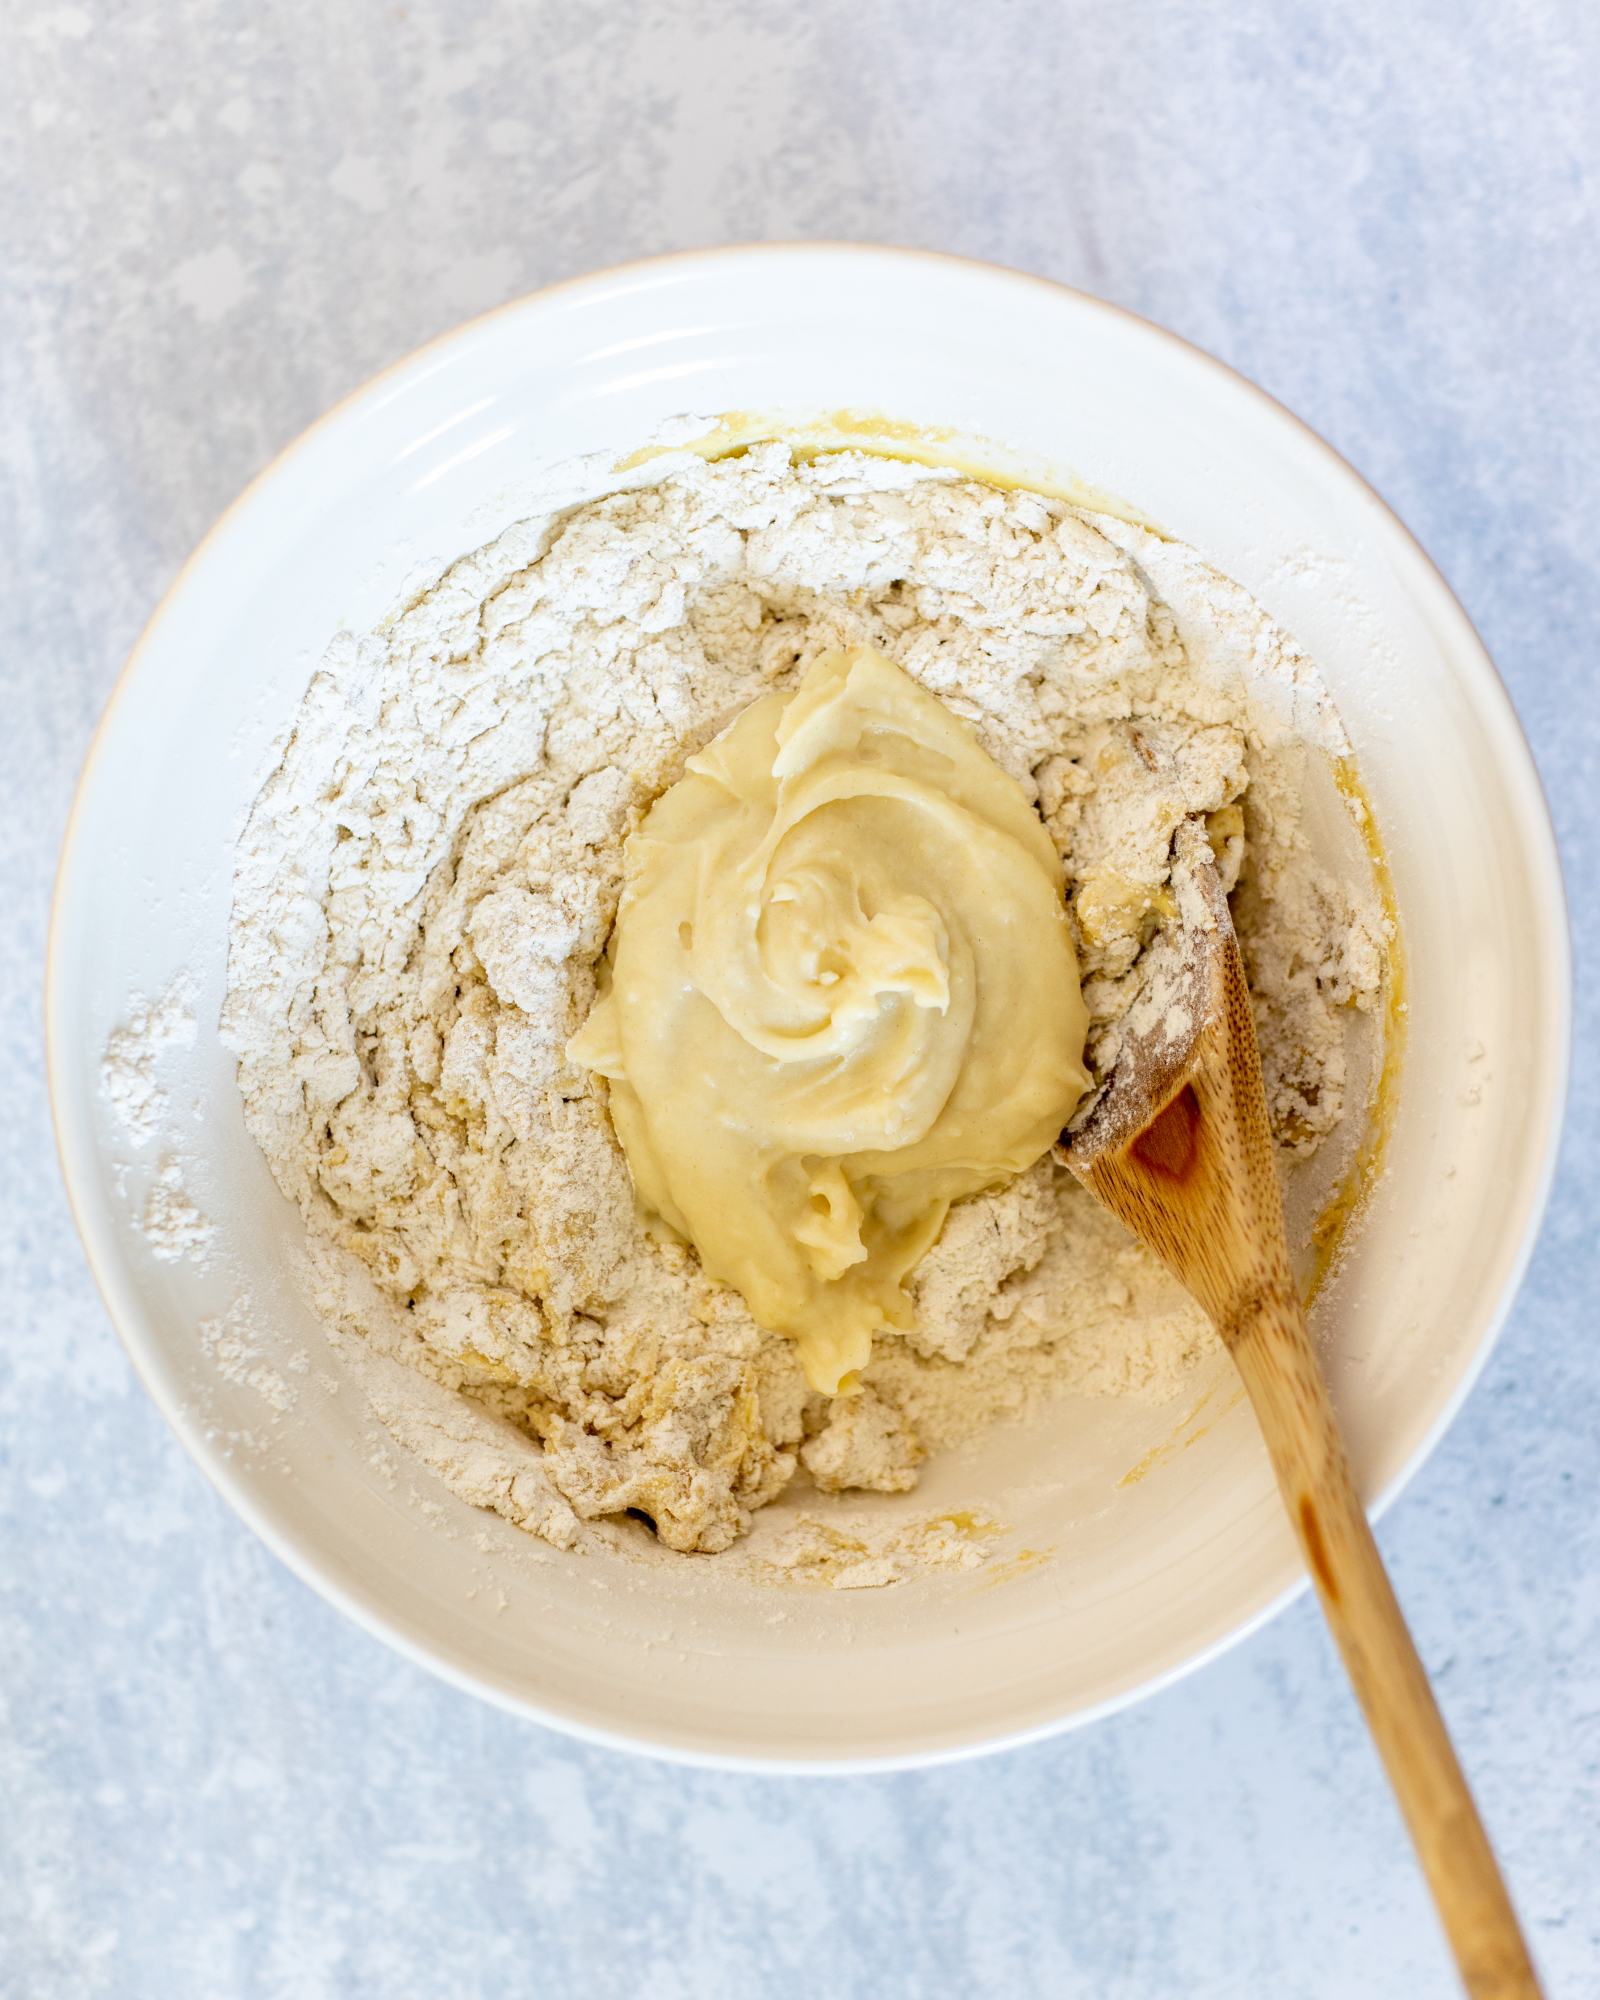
{"points": [[842, 994]]}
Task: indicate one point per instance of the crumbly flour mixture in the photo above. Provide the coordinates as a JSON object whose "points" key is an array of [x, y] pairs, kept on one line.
{"points": [[426, 884]]}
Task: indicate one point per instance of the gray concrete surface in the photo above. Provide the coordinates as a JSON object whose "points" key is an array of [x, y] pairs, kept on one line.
{"points": [[217, 218]]}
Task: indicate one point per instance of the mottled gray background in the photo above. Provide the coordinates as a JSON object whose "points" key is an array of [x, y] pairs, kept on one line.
{"points": [[217, 218]]}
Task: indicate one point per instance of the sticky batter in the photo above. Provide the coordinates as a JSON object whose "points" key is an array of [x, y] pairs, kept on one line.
{"points": [[842, 995]]}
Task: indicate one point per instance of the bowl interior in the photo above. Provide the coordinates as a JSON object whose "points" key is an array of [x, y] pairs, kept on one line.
{"points": [[1148, 1575]]}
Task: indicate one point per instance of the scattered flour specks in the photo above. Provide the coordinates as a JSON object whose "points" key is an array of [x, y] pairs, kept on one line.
{"points": [[130, 1077], [230, 1341], [172, 1223]]}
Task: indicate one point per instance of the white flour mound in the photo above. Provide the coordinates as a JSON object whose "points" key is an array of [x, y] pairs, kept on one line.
{"points": [[427, 880]]}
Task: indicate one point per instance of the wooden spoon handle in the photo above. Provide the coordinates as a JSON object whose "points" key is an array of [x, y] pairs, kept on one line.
{"points": [[1275, 1357]]}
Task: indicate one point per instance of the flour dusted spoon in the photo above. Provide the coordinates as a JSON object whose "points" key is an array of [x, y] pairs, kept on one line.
{"points": [[1178, 1148]]}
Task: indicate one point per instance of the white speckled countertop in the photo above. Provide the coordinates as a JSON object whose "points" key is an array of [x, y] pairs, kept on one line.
{"points": [[216, 220]]}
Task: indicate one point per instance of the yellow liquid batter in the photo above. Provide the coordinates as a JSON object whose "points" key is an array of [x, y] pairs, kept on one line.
{"points": [[842, 994]]}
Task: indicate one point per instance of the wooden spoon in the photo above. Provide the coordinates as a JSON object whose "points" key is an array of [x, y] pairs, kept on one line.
{"points": [[1178, 1148]]}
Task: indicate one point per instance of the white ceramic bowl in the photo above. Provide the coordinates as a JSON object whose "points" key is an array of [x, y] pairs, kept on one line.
{"points": [[1150, 1577]]}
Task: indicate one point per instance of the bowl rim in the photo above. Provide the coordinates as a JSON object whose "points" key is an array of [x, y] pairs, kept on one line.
{"points": [[365, 1605]]}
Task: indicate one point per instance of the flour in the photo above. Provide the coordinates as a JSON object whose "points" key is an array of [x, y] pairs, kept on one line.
{"points": [[229, 1341], [172, 1223], [855, 1556], [428, 878], [130, 1083], [130, 1079]]}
